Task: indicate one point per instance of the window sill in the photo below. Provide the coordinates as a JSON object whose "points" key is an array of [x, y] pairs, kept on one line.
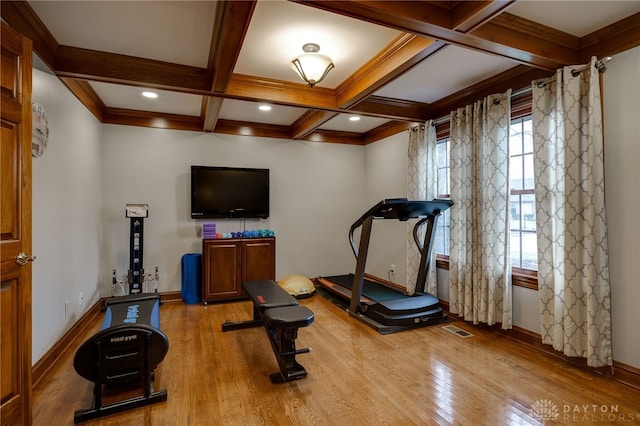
{"points": [[519, 277]]}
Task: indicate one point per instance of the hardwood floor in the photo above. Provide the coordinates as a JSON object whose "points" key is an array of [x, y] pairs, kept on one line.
{"points": [[356, 376]]}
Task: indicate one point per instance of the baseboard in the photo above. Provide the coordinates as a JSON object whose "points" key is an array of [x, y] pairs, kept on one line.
{"points": [[49, 359], [619, 372], [171, 296]]}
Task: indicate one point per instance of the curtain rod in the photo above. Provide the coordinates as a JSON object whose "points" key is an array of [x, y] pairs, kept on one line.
{"points": [[513, 94], [601, 66]]}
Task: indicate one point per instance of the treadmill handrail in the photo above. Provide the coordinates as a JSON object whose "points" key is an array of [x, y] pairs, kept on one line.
{"points": [[415, 232], [401, 209]]}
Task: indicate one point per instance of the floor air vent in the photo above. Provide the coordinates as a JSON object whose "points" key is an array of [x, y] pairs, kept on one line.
{"points": [[458, 331]]}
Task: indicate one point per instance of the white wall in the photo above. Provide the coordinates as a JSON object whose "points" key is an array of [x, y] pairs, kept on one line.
{"points": [[316, 190], [386, 170], [67, 200], [622, 174]]}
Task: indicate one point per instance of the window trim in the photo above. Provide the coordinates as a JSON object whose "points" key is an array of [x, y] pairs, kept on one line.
{"points": [[520, 277]]}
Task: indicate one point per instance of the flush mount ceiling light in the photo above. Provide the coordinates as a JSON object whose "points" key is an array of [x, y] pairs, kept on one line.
{"points": [[311, 66], [264, 108], [150, 95]]}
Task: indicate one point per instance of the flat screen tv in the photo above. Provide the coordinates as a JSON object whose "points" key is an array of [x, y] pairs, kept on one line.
{"points": [[229, 192]]}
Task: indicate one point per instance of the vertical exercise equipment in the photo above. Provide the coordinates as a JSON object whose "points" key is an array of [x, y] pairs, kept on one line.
{"points": [[135, 276]]}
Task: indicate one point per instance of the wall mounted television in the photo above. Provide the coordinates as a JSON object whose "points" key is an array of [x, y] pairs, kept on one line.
{"points": [[229, 192]]}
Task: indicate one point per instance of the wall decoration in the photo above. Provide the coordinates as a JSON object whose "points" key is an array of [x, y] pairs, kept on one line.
{"points": [[40, 132]]}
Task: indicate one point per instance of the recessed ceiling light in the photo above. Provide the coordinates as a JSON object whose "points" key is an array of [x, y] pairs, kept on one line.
{"points": [[151, 95], [354, 118], [264, 108]]}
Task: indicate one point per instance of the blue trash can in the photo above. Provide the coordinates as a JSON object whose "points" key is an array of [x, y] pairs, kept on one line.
{"points": [[191, 264]]}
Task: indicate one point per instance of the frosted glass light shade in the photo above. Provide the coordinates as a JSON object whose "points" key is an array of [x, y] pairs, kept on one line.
{"points": [[312, 66]]}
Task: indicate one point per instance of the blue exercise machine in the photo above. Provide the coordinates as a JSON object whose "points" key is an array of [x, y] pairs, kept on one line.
{"points": [[127, 350]]}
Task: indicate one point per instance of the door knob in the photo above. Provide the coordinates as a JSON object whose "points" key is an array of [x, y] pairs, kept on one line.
{"points": [[23, 258]]}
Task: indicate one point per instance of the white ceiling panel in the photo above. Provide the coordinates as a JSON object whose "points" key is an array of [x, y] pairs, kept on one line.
{"points": [[171, 31], [279, 29], [130, 97], [576, 17], [248, 111], [448, 71], [341, 122]]}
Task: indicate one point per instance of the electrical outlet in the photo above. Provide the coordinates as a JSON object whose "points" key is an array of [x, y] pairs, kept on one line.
{"points": [[392, 269], [80, 298], [66, 309]]}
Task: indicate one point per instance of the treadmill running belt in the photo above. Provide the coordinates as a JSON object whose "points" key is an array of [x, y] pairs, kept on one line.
{"points": [[370, 289]]}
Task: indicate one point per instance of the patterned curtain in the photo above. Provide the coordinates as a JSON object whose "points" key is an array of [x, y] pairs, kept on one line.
{"points": [[573, 259], [422, 184], [479, 260]]}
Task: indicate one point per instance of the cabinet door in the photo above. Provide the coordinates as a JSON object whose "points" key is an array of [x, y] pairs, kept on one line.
{"points": [[221, 270], [259, 259]]}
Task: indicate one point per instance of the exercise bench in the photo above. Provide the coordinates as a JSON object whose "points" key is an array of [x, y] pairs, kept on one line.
{"points": [[281, 316], [126, 350]]}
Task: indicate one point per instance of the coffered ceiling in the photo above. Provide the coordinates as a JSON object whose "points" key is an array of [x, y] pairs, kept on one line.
{"points": [[212, 63]]}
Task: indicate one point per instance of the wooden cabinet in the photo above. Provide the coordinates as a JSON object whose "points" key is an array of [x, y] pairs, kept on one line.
{"points": [[227, 263]]}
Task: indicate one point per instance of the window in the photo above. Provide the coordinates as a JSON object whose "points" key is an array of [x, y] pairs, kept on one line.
{"points": [[442, 229], [522, 208], [521, 202]]}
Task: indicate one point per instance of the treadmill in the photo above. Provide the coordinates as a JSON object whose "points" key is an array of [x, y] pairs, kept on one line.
{"points": [[381, 304]]}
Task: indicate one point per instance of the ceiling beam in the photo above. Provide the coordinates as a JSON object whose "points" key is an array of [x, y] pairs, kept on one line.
{"points": [[402, 54], [467, 15], [334, 136], [384, 131], [23, 18], [85, 94], [612, 39], [229, 29], [516, 41], [279, 92], [233, 127], [211, 107], [129, 117], [230, 26], [123, 69], [310, 121], [395, 109]]}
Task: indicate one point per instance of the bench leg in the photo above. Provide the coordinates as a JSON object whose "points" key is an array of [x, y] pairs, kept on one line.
{"points": [[256, 321], [283, 342]]}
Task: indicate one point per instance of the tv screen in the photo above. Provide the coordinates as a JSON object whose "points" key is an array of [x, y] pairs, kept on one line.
{"points": [[229, 192]]}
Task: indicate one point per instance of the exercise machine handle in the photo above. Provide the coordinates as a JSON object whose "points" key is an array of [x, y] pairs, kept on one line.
{"points": [[415, 231]]}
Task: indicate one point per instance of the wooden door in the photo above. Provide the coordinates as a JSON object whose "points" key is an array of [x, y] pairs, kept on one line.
{"points": [[15, 229]]}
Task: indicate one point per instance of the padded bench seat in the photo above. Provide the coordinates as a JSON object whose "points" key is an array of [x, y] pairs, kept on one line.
{"points": [[289, 317], [279, 313], [265, 294]]}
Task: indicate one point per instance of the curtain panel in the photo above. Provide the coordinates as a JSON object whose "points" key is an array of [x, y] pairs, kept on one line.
{"points": [[422, 184], [573, 259], [479, 260]]}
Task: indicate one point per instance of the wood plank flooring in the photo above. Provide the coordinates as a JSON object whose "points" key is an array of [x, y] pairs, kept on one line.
{"points": [[356, 376]]}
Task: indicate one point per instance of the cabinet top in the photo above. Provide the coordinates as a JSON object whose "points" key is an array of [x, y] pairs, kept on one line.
{"points": [[240, 239]]}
